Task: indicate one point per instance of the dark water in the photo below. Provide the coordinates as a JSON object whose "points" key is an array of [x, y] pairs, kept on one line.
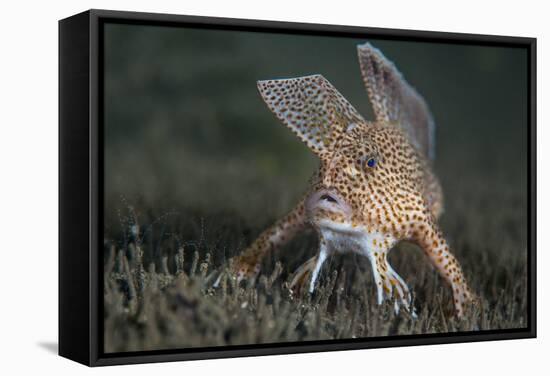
{"points": [[183, 114]]}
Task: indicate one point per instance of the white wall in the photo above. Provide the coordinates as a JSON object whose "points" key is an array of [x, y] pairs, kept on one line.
{"points": [[28, 197]]}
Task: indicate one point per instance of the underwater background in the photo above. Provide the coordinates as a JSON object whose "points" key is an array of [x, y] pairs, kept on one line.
{"points": [[196, 166]]}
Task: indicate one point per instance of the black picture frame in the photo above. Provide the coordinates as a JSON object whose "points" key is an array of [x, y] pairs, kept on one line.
{"points": [[81, 182]]}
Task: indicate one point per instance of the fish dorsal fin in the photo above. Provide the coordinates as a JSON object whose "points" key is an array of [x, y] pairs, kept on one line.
{"points": [[395, 101], [310, 107]]}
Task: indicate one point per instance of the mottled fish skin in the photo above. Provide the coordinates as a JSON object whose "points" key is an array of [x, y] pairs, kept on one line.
{"points": [[374, 187]]}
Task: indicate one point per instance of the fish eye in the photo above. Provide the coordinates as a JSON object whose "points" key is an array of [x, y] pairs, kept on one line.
{"points": [[371, 162]]}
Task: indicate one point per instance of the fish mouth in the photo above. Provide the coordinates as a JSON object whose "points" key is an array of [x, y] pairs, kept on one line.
{"points": [[327, 200]]}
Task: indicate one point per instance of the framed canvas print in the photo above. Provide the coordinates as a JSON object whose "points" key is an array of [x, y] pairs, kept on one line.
{"points": [[237, 187]]}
